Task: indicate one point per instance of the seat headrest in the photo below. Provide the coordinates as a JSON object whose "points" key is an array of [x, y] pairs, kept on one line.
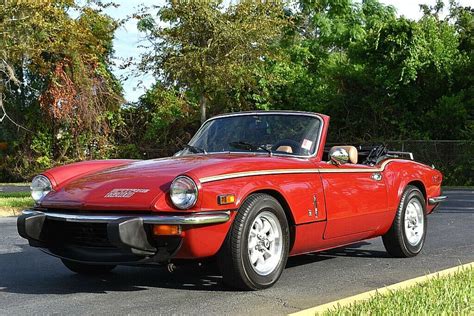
{"points": [[286, 149], [351, 150]]}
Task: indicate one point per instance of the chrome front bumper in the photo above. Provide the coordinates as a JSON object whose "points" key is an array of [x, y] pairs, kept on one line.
{"points": [[191, 219], [122, 238], [437, 199]]}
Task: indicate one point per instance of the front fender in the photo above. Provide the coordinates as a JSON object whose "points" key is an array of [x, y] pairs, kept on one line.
{"points": [[61, 175], [296, 190]]}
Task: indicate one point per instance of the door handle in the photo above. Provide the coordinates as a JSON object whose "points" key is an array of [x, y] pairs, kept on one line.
{"points": [[315, 204], [377, 176]]}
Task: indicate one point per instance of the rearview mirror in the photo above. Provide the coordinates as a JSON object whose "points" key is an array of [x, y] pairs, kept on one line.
{"points": [[338, 156]]}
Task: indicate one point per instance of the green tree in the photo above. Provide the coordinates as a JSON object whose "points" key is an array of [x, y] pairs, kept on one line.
{"points": [[379, 76], [55, 80], [217, 53]]}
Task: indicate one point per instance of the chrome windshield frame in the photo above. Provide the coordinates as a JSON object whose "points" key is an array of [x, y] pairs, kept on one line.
{"points": [[251, 113]]}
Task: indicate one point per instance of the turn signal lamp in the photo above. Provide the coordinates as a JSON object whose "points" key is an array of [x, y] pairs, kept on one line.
{"points": [[226, 199], [167, 230]]}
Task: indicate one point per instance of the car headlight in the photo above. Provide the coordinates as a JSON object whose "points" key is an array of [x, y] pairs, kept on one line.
{"points": [[183, 192], [40, 187]]}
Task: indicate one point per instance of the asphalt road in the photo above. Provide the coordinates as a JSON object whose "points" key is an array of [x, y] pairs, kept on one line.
{"points": [[14, 188], [32, 282]]}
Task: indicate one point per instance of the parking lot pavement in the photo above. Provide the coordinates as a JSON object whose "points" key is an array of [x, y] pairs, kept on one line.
{"points": [[32, 282]]}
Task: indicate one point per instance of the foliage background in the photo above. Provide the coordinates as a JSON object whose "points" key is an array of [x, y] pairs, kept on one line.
{"points": [[381, 78]]}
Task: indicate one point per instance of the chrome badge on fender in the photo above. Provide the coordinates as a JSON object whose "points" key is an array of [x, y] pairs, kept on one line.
{"points": [[124, 193]]}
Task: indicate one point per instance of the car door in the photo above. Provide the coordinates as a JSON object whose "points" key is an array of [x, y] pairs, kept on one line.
{"points": [[356, 199]]}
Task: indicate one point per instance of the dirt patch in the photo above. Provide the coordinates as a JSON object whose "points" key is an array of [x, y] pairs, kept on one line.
{"points": [[10, 211]]}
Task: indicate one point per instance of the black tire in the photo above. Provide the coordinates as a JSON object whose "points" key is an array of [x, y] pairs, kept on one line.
{"points": [[234, 256], [395, 240], [87, 269]]}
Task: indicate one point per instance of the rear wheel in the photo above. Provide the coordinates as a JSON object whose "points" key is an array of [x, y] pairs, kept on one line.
{"points": [[87, 269], [255, 251], [407, 234]]}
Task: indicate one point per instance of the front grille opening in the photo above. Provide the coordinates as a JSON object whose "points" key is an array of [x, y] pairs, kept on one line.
{"points": [[79, 234]]}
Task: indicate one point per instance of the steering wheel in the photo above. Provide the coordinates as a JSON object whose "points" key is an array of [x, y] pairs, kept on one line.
{"points": [[295, 146]]}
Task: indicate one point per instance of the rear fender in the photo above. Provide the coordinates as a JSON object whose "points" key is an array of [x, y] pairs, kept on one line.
{"points": [[399, 174]]}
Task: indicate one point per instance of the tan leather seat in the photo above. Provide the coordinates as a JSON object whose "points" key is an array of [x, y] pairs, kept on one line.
{"points": [[286, 149], [351, 150]]}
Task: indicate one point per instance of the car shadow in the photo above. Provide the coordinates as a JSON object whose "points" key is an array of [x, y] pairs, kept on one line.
{"points": [[28, 271], [32, 272], [355, 251], [352, 250]]}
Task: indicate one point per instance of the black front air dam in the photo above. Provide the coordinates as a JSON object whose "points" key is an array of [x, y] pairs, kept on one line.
{"points": [[129, 234], [30, 226]]}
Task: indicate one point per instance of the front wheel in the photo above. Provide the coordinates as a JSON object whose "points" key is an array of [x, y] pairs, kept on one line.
{"points": [[87, 269], [255, 251], [407, 234]]}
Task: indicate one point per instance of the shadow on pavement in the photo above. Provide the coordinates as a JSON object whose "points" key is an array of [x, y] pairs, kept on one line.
{"points": [[32, 272], [346, 251], [28, 271], [354, 251]]}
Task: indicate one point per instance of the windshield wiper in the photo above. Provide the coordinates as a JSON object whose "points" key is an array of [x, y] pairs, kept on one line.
{"points": [[249, 146], [194, 149]]}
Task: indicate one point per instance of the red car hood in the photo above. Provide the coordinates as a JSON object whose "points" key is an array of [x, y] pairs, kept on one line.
{"points": [[144, 182]]}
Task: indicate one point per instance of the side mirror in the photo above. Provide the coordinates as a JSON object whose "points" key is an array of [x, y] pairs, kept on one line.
{"points": [[338, 156]]}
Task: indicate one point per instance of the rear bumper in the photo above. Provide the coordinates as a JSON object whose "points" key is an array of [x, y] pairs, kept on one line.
{"points": [[107, 238], [434, 202], [437, 199]]}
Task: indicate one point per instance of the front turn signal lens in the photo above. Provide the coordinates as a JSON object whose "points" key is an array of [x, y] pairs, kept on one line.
{"points": [[167, 230], [226, 199]]}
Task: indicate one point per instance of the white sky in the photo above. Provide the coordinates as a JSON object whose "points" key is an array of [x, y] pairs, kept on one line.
{"points": [[127, 38]]}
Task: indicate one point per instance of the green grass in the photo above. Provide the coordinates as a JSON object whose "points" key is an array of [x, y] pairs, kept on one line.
{"points": [[15, 199], [449, 295], [14, 194], [16, 184]]}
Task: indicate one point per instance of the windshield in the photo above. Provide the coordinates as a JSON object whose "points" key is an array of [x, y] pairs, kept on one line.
{"points": [[291, 134]]}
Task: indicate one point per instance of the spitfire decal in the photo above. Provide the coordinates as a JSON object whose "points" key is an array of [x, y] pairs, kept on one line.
{"points": [[124, 193]]}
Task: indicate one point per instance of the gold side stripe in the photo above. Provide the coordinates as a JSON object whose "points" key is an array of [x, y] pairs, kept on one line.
{"points": [[291, 171], [256, 173]]}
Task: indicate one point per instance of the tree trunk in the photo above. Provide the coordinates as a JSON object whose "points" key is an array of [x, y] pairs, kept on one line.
{"points": [[203, 104]]}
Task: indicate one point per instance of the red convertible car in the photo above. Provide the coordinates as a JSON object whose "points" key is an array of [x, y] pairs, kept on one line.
{"points": [[250, 189]]}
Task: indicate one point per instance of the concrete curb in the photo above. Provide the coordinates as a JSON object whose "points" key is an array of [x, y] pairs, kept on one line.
{"points": [[367, 295]]}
